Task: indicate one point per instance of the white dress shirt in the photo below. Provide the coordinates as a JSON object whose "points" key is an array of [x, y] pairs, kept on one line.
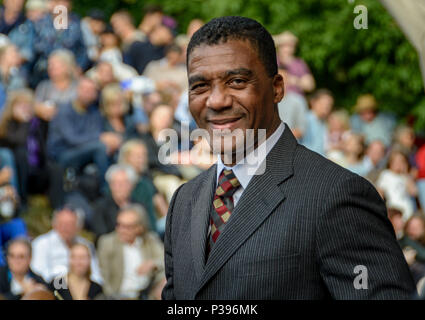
{"points": [[246, 168], [132, 283], [50, 257]]}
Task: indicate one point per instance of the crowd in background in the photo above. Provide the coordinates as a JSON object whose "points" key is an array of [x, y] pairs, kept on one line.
{"points": [[82, 114]]}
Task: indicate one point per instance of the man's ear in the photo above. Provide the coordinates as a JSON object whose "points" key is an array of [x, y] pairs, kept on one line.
{"points": [[278, 88]]}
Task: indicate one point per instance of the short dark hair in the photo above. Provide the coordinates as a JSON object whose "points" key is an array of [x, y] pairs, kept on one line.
{"points": [[220, 30]]}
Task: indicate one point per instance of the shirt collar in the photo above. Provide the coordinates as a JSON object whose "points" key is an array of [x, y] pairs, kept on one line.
{"points": [[245, 168]]}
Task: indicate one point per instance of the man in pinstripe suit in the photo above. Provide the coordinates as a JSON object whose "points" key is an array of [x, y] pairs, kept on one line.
{"points": [[300, 230]]}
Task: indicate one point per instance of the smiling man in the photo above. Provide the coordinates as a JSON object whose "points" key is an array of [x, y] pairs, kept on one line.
{"points": [[303, 228]]}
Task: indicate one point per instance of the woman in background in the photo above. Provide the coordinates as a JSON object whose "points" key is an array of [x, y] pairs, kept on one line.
{"points": [[78, 285]]}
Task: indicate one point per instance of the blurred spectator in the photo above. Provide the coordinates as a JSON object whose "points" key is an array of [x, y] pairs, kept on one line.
{"points": [[161, 117], [371, 123], [396, 186], [77, 285], [404, 140], [396, 218], [131, 257], [135, 154], [420, 162], [12, 75], [75, 136], [110, 46], [168, 71], [321, 103], [192, 162], [23, 35], [61, 87], [299, 77], [118, 122], [182, 113], [17, 278], [49, 38], [8, 172], [152, 18], [413, 245], [91, 27], [110, 52], [102, 74], [11, 15], [20, 132], [337, 133], [51, 250], [11, 225], [121, 180], [183, 39], [137, 50], [375, 160], [354, 150], [293, 110]]}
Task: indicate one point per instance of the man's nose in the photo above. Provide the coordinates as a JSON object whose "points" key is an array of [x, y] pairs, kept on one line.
{"points": [[218, 98]]}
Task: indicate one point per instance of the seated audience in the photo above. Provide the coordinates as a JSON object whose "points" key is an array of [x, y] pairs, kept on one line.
{"points": [[75, 136], [51, 250], [131, 258]]}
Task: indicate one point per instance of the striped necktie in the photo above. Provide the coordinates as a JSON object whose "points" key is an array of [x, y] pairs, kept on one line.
{"points": [[223, 204]]}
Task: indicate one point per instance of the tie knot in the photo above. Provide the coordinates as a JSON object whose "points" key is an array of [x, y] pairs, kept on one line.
{"points": [[227, 184]]}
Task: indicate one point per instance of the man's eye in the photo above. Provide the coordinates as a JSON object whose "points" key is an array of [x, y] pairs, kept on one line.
{"points": [[197, 86], [237, 82]]}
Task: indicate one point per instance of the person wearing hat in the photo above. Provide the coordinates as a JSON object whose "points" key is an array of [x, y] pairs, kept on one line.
{"points": [[371, 123], [298, 75]]}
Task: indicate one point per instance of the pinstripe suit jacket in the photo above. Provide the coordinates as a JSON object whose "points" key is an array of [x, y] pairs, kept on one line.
{"points": [[298, 232]]}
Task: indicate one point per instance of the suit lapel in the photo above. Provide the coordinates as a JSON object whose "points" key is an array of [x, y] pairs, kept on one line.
{"points": [[257, 202], [201, 206]]}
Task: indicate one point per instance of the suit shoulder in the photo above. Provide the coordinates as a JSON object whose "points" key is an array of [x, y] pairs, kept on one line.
{"points": [[314, 165]]}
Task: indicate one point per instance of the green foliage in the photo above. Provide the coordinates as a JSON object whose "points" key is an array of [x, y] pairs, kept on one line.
{"points": [[379, 60]]}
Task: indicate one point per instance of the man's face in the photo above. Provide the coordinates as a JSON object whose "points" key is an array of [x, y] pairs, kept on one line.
{"points": [[118, 24], [87, 91], [322, 106], [128, 226], [120, 186], [230, 89], [66, 224], [138, 158], [18, 258]]}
